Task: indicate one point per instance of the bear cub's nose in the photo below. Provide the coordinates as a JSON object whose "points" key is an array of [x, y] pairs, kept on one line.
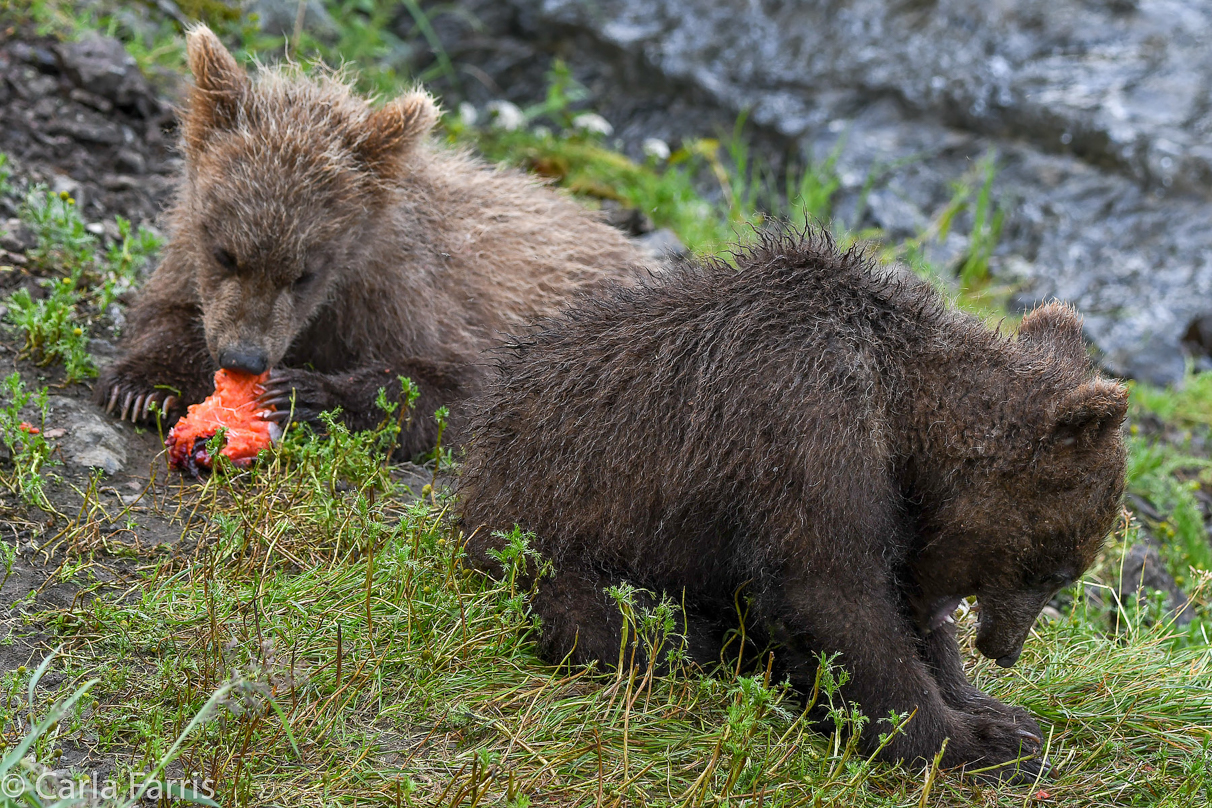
{"points": [[244, 358], [1009, 659]]}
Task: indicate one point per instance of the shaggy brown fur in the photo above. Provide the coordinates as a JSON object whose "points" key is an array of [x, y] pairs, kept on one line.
{"points": [[831, 437], [331, 241]]}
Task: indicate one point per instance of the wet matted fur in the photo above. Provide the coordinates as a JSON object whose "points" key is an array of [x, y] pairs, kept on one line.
{"points": [[335, 242], [832, 436]]}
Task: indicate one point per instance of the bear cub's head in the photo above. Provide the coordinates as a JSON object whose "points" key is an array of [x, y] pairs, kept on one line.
{"points": [[286, 179], [1032, 490]]}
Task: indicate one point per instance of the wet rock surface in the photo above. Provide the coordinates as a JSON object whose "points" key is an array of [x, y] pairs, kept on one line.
{"points": [[1144, 572], [79, 117], [104, 74], [1099, 112], [279, 18], [89, 440]]}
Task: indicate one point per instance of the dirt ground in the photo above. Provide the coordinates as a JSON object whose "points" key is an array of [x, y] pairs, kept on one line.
{"points": [[79, 118]]}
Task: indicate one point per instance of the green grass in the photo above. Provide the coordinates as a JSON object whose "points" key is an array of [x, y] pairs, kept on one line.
{"points": [[1168, 472], [76, 276], [1185, 405], [361, 663], [402, 675], [26, 782], [1169, 480]]}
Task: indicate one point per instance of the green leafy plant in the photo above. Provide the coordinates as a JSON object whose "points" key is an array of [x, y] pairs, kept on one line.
{"points": [[349, 458], [55, 326], [811, 197], [28, 452], [5, 173], [8, 558], [563, 91], [124, 260], [1153, 472], [52, 329], [62, 236], [987, 220]]}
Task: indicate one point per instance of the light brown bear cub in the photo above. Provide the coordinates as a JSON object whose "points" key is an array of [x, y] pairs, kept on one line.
{"points": [[330, 241]]}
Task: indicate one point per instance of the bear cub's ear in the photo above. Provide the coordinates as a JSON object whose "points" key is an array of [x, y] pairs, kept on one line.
{"points": [[1057, 326], [1086, 413], [394, 130], [219, 84]]}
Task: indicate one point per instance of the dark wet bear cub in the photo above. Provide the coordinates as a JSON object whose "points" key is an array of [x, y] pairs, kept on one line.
{"points": [[333, 241], [833, 437]]}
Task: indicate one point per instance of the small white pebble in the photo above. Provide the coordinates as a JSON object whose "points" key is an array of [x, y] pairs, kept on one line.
{"points": [[593, 123], [506, 115], [468, 113], [656, 148]]}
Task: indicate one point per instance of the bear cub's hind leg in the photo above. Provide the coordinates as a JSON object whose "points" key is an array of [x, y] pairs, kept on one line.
{"points": [[580, 619]]}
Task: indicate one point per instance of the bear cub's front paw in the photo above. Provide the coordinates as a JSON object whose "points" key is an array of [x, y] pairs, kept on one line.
{"points": [[134, 399], [295, 395], [997, 745], [976, 702]]}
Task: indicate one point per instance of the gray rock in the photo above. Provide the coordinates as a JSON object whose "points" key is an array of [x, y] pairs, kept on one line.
{"points": [[100, 65], [277, 17], [631, 221], [87, 129], [131, 161], [413, 476], [98, 103], [662, 243], [91, 441], [1099, 114], [1145, 572], [895, 215], [103, 347], [16, 237], [36, 55]]}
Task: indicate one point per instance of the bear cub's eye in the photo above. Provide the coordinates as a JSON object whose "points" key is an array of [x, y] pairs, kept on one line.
{"points": [[1050, 580], [303, 280], [225, 260]]}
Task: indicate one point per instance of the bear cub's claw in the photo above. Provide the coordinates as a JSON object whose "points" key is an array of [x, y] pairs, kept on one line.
{"points": [[292, 396], [133, 402]]}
